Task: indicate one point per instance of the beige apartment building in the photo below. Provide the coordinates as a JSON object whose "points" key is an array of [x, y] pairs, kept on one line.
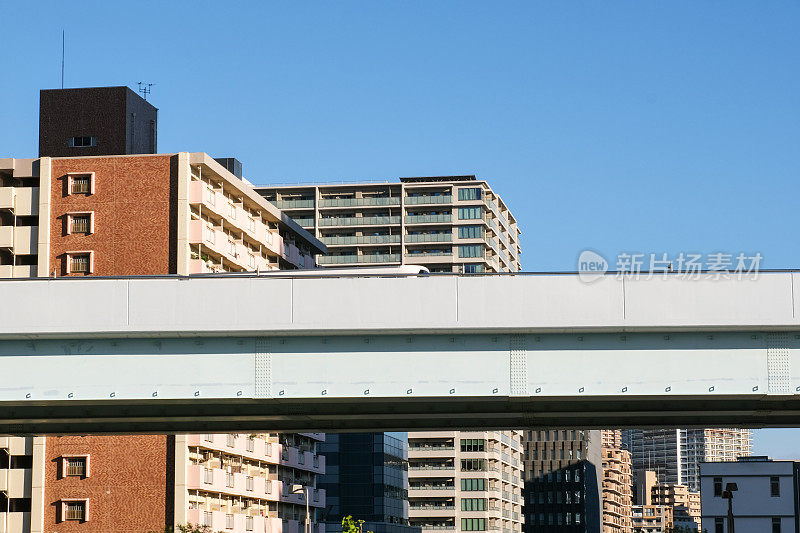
{"points": [[651, 518], [149, 214], [465, 480], [684, 503], [617, 484], [448, 223]]}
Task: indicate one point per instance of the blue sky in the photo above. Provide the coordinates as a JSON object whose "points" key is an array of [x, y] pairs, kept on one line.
{"points": [[636, 126]]}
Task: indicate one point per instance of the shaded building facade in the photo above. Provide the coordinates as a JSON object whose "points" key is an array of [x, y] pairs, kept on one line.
{"points": [[367, 477], [563, 480]]}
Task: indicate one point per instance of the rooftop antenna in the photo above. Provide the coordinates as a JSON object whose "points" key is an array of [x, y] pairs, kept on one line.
{"points": [[62, 58], [144, 88]]}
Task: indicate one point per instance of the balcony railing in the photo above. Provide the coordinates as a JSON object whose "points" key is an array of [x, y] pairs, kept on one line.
{"points": [[359, 221], [361, 239], [304, 222], [428, 199], [428, 219], [293, 204], [430, 237], [352, 202], [432, 507], [428, 254], [432, 487], [340, 259], [431, 467]]}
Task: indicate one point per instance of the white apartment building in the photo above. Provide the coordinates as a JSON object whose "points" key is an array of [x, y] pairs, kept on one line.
{"points": [[766, 496], [675, 454], [465, 480], [250, 483], [448, 223]]}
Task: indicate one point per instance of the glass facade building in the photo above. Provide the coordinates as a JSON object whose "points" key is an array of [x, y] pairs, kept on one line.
{"points": [[367, 477]]}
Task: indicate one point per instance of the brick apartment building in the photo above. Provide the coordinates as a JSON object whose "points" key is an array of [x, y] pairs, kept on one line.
{"points": [[126, 213]]}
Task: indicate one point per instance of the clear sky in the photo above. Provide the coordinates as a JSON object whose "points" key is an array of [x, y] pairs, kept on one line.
{"points": [[636, 126]]}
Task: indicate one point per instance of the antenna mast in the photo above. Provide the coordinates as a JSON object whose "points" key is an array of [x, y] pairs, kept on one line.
{"points": [[62, 58], [144, 88]]}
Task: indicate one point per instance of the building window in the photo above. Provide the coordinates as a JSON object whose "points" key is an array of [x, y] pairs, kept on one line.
{"points": [[251, 444], [470, 232], [209, 437], [248, 523], [74, 510], [76, 466], [472, 445], [472, 193], [776, 525], [470, 213], [473, 465], [79, 263], [231, 440], [473, 484], [81, 183], [249, 483], [473, 269], [774, 487], [80, 223], [84, 141], [228, 521], [470, 250], [208, 476], [473, 524], [717, 486], [719, 525], [473, 504]]}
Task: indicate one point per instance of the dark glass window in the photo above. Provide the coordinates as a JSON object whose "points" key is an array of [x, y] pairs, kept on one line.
{"points": [[472, 445], [774, 487], [717, 486]]}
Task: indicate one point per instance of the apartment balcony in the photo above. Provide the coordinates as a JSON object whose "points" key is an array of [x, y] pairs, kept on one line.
{"points": [[258, 449], [430, 257], [356, 202], [428, 199], [429, 237], [16, 482], [430, 471], [350, 259], [24, 201], [14, 522], [241, 523], [360, 221], [431, 491], [416, 466], [22, 240], [304, 222], [285, 495], [18, 271], [306, 203], [429, 219], [199, 477], [360, 239], [234, 217], [431, 511], [431, 451]]}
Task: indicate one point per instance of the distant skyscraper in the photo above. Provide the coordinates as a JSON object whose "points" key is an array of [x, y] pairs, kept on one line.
{"points": [[367, 477], [563, 473], [674, 454]]}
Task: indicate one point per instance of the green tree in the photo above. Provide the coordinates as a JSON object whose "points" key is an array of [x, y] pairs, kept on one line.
{"points": [[350, 525]]}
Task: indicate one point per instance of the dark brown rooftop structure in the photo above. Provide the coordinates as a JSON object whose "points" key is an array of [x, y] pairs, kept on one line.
{"points": [[95, 121]]}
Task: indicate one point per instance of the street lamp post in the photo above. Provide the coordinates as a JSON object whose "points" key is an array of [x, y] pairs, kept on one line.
{"points": [[300, 489], [730, 488]]}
